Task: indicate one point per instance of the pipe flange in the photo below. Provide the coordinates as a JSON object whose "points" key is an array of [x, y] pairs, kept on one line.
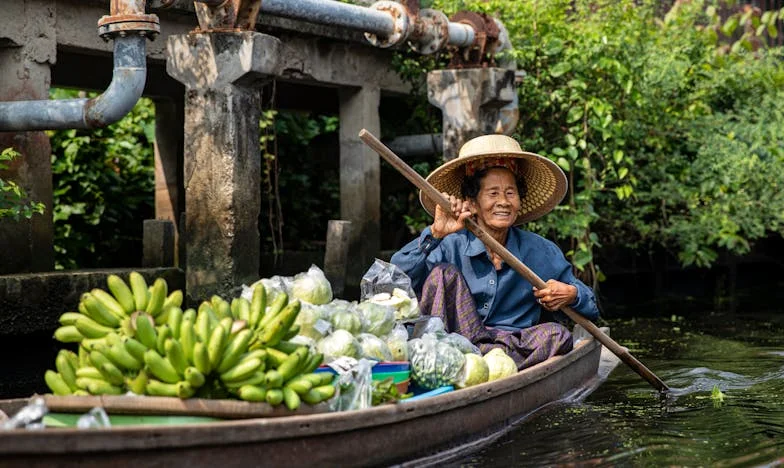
{"points": [[122, 25], [431, 32], [402, 27]]}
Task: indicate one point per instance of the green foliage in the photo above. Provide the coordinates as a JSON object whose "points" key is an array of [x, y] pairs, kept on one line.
{"points": [[103, 188], [667, 125], [14, 202]]}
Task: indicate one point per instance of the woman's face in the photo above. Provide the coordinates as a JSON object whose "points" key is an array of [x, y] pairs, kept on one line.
{"points": [[498, 202]]}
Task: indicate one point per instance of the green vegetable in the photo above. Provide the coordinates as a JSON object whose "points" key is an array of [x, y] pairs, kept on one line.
{"points": [[500, 364]]}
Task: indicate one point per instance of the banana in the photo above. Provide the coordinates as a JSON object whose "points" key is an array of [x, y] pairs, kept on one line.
{"points": [[277, 305], [201, 358], [273, 379], [189, 314], [319, 394], [187, 338], [72, 360], [252, 393], [89, 328], [93, 344], [121, 358], [194, 377], [69, 318], [222, 309], [216, 344], [243, 308], [274, 396], [139, 291], [68, 334], [145, 331], [258, 305], [275, 329], [288, 367], [112, 339], [185, 390], [258, 378], [242, 370], [293, 331], [84, 357], [112, 374], [164, 333], [287, 346], [102, 387], [98, 312], [122, 293], [138, 384], [109, 303], [160, 367], [175, 320], [173, 300], [202, 325], [291, 399], [237, 346], [162, 318], [275, 357], [158, 292], [319, 378], [176, 355], [299, 385], [88, 372], [157, 388], [313, 362], [56, 383], [135, 348]]}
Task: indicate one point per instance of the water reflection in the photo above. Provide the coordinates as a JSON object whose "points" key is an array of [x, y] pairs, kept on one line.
{"points": [[625, 423]]}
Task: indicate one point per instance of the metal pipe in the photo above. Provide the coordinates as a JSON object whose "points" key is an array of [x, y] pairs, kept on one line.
{"points": [[417, 145], [333, 13], [461, 35], [128, 78]]}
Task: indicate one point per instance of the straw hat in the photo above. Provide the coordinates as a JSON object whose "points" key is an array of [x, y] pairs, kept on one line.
{"points": [[546, 181]]}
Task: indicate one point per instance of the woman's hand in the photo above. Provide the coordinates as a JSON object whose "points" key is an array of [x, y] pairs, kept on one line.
{"points": [[555, 295], [445, 223]]}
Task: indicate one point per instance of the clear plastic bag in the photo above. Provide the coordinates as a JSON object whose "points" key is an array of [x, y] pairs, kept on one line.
{"points": [[311, 286], [354, 384], [29, 417], [377, 319], [431, 325], [433, 363], [374, 347], [397, 341], [462, 343], [339, 343], [96, 418], [386, 284]]}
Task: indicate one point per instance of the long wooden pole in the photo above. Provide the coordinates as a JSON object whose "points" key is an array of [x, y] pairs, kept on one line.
{"points": [[509, 258]]}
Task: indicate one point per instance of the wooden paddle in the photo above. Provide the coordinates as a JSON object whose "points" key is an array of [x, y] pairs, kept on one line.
{"points": [[507, 256]]}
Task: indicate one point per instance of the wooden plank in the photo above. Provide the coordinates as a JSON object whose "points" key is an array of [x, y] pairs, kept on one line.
{"points": [[336, 254]]}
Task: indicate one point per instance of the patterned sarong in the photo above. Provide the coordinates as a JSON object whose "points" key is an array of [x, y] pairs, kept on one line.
{"points": [[445, 295]]}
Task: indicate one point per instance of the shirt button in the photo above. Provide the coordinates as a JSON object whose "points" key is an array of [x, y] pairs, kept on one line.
{"points": [[487, 306], [492, 281]]}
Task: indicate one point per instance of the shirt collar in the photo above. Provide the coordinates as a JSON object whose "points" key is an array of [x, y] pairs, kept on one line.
{"points": [[476, 247]]}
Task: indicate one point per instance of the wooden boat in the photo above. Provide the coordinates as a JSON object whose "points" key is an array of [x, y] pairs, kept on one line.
{"points": [[414, 432]]}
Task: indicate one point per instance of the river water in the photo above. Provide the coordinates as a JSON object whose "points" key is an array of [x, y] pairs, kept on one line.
{"points": [[624, 422]]}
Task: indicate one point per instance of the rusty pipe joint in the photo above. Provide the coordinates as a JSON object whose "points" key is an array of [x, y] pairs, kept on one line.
{"points": [[127, 18], [431, 32], [403, 24]]}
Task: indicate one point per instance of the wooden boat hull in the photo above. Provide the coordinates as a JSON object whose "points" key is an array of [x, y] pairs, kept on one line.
{"points": [[382, 435]]}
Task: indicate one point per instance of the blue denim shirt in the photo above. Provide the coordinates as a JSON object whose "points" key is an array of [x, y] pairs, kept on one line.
{"points": [[503, 298]]}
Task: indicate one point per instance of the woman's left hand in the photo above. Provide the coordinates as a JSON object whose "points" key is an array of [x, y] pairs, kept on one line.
{"points": [[555, 295]]}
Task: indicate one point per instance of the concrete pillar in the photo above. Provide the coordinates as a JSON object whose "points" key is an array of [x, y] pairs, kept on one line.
{"points": [[222, 73], [474, 102], [27, 50], [360, 180], [168, 170]]}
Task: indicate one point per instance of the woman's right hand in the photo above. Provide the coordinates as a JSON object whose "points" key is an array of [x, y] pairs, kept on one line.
{"points": [[445, 223]]}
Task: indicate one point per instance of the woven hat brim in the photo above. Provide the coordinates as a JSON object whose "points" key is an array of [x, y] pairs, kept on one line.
{"points": [[546, 183]]}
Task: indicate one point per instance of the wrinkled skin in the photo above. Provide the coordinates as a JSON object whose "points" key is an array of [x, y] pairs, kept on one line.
{"points": [[495, 210]]}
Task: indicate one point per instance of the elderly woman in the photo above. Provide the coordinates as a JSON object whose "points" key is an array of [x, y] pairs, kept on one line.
{"points": [[461, 281]]}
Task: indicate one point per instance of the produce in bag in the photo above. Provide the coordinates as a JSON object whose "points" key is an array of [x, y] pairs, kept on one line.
{"points": [[374, 347], [311, 322], [475, 371], [500, 364], [348, 320], [397, 341], [377, 319], [434, 364], [405, 307], [312, 286], [339, 343], [387, 284], [461, 342], [429, 325]]}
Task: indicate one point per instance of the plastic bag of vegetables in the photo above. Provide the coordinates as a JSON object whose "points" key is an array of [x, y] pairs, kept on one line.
{"points": [[386, 284], [475, 371], [374, 347], [434, 364], [312, 286], [397, 341], [460, 342], [311, 322], [339, 343], [499, 363], [377, 319]]}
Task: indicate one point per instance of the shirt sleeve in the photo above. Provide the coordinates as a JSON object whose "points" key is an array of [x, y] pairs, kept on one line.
{"points": [[585, 304], [413, 258]]}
